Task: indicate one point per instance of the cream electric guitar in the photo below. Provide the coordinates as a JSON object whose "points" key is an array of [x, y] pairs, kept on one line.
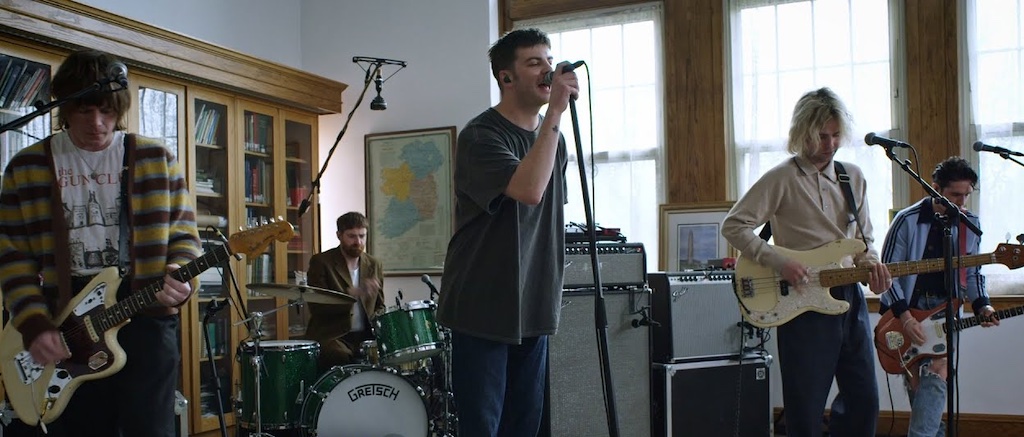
{"points": [[89, 327], [767, 300]]}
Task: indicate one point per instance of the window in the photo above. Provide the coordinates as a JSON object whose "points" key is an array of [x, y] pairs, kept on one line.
{"points": [[622, 48], [782, 49], [993, 69]]}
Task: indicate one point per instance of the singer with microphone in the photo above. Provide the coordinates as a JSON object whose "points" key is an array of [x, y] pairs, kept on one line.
{"points": [[341, 328], [90, 198], [501, 292], [808, 200]]}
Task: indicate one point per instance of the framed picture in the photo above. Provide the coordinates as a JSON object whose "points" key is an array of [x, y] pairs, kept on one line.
{"points": [[691, 235], [410, 199]]}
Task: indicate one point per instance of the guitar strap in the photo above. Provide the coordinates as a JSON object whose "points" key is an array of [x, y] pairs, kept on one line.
{"points": [[844, 181], [124, 246]]}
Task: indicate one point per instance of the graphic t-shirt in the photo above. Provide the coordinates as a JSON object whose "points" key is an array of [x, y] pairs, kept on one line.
{"points": [[91, 195]]}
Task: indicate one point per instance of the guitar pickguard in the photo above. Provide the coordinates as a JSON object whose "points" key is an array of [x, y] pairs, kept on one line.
{"points": [[92, 300]]}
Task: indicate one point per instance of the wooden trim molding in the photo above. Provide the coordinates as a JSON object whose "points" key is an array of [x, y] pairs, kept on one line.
{"points": [[998, 302], [895, 423], [71, 25]]}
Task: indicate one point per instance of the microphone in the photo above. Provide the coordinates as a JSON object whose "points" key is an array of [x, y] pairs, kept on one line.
{"points": [[982, 147], [117, 72], [551, 74], [433, 290], [872, 139], [378, 103], [303, 206]]}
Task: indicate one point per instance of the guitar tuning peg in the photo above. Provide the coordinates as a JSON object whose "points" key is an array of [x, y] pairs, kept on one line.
{"points": [[1007, 238], [1020, 238]]}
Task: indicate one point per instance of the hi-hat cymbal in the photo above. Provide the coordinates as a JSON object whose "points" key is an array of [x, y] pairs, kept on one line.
{"points": [[306, 292]]}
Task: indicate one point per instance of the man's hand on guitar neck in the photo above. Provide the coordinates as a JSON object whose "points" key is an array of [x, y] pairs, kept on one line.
{"points": [[174, 292], [881, 279]]}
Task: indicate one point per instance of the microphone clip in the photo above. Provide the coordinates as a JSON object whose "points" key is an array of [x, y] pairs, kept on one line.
{"points": [[645, 319]]}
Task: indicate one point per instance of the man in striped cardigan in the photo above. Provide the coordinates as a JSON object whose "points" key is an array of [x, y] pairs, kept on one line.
{"points": [[66, 202]]}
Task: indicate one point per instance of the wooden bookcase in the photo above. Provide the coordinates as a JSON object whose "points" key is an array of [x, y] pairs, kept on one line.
{"points": [[245, 131]]}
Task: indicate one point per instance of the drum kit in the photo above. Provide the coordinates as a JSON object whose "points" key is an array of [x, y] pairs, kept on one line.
{"points": [[401, 386]]}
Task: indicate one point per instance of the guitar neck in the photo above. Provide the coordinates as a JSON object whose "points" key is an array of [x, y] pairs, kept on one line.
{"points": [[1001, 314], [839, 277], [135, 302]]}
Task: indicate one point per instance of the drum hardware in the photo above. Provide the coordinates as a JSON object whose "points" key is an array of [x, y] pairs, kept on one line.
{"points": [[211, 309]]}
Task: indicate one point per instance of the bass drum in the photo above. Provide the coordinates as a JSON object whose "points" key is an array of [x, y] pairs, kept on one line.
{"points": [[363, 401]]}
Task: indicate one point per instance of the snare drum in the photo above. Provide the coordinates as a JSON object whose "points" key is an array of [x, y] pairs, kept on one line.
{"points": [[288, 370], [408, 333], [359, 400]]}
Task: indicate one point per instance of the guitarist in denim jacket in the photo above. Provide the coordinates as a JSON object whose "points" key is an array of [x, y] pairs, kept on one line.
{"points": [[916, 234]]}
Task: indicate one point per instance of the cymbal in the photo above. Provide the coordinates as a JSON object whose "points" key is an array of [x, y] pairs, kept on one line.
{"points": [[306, 292]]}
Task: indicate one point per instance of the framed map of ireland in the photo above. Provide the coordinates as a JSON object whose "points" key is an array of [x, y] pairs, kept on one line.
{"points": [[410, 198]]}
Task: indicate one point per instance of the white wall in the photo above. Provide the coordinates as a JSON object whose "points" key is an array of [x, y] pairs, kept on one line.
{"points": [[263, 28], [446, 83]]}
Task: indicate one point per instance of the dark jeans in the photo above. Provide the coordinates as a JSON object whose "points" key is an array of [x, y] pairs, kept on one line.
{"points": [[814, 348], [137, 401], [499, 388]]}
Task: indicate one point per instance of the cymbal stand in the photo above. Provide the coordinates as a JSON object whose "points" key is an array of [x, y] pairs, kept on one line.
{"points": [[257, 367], [450, 419]]}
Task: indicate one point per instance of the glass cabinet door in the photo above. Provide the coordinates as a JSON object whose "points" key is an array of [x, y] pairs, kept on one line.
{"points": [[22, 83], [257, 180], [214, 340], [300, 163], [161, 111]]}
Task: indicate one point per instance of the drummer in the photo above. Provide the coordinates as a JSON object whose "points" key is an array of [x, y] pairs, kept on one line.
{"points": [[340, 328]]}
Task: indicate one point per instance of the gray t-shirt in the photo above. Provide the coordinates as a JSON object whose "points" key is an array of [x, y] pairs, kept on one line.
{"points": [[503, 271]]}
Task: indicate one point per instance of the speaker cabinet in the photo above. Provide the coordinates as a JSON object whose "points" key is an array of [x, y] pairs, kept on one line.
{"points": [[697, 316], [720, 398], [575, 401]]}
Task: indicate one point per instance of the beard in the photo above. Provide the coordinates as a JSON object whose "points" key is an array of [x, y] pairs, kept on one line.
{"points": [[352, 251]]}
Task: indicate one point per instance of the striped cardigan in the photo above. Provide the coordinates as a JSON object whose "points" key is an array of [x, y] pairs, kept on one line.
{"points": [[34, 260]]}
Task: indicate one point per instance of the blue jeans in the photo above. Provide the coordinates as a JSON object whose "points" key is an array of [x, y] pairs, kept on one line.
{"points": [[928, 401], [498, 387]]}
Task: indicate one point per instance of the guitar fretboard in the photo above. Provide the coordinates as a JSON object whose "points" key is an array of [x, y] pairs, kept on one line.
{"points": [[977, 320], [135, 302], [838, 277]]}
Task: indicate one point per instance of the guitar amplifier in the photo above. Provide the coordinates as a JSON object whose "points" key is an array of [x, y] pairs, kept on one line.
{"points": [[622, 265], [697, 316]]}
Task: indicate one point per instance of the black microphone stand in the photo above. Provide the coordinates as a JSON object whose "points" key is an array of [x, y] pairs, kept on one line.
{"points": [[600, 312], [212, 309], [952, 219], [44, 108], [370, 72], [1010, 158]]}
